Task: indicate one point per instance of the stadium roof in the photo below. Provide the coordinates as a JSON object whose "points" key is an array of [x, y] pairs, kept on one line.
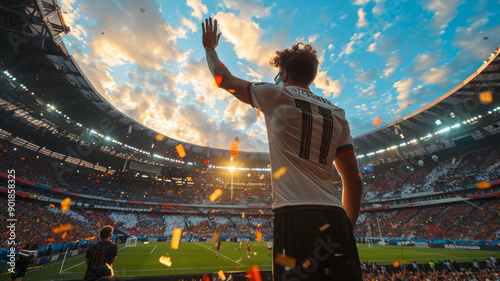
{"points": [[36, 55]]}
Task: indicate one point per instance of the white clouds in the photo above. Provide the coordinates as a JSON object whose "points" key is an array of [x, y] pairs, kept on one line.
{"points": [[331, 47], [349, 48], [361, 2], [444, 12], [249, 8], [246, 36], [344, 16], [370, 92], [436, 75], [362, 22], [131, 36], [403, 87], [327, 84], [198, 8], [392, 63], [366, 76], [189, 24], [312, 38]]}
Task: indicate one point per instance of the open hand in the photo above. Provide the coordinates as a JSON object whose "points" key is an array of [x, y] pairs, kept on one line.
{"points": [[210, 37]]}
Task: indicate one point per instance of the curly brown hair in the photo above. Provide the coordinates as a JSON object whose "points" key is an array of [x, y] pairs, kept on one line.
{"points": [[300, 62]]}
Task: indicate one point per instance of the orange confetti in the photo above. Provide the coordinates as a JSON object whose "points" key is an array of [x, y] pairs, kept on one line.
{"points": [[231, 91], [65, 204], [279, 173], [189, 178], [176, 238], [166, 261], [486, 97], [253, 274], [306, 264], [53, 206], [180, 150], [261, 177], [395, 264], [483, 185], [216, 194], [258, 235], [215, 237], [98, 223], [218, 80], [221, 64], [359, 174], [159, 137], [64, 235], [221, 275], [233, 147], [285, 260], [51, 240], [377, 121], [258, 112], [324, 227], [62, 228], [243, 215], [90, 238]]}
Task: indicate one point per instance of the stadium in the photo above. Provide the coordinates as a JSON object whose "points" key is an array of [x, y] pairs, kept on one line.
{"points": [[77, 163]]}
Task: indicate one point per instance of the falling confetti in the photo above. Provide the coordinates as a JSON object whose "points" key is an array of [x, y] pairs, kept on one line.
{"points": [[221, 64], [166, 261], [215, 237], [64, 235], [285, 260], [377, 121], [258, 112], [233, 147], [189, 178], [243, 215], [221, 275], [261, 211], [261, 177], [142, 10], [483, 185], [176, 238], [395, 264], [52, 205], [180, 150], [159, 137], [486, 97], [306, 264], [279, 173], [359, 174], [216, 194], [65, 204], [324, 227], [259, 235], [90, 238], [62, 228], [253, 274], [231, 91], [218, 80]]}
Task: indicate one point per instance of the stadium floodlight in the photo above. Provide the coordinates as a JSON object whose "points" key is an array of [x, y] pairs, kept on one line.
{"points": [[438, 122], [107, 138]]}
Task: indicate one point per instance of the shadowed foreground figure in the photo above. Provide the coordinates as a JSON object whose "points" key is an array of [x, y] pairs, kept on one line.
{"points": [[307, 134]]}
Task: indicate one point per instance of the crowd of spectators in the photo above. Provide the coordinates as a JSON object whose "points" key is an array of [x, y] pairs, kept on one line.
{"points": [[476, 220]]}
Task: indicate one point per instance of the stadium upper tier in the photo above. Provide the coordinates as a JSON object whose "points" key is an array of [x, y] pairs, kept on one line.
{"points": [[42, 78]]}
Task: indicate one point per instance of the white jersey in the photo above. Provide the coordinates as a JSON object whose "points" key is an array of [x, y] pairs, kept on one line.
{"points": [[269, 245], [305, 134]]}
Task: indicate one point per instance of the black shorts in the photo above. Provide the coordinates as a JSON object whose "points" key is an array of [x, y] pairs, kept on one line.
{"points": [[330, 254], [20, 270]]}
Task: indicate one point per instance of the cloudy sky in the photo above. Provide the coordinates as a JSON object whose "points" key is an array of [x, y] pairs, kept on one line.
{"points": [[378, 58]]}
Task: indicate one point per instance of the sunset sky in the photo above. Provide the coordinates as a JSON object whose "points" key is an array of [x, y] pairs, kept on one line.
{"points": [[378, 58]]}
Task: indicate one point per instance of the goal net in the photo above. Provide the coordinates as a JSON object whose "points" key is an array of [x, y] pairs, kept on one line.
{"points": [[131, 242]]}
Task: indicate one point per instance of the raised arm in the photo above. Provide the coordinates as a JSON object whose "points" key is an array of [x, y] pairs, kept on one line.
{"points": [[239, 88], [347, 165]]}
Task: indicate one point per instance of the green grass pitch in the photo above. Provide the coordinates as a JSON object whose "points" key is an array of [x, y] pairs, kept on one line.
{"points": [[199, 257]]}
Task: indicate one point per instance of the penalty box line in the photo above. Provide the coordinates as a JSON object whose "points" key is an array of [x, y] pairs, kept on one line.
{"points": [[82, 263], [216, 253]]}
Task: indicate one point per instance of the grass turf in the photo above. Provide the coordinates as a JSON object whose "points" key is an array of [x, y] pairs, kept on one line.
{"points": [[199, 257]]}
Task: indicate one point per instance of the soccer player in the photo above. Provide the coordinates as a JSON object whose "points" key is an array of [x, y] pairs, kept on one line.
{"points": [[25, 257], [269, 247], [248, 251], [239, 249], [218, 248], [307, 134], [235, 241], [101, 253]]}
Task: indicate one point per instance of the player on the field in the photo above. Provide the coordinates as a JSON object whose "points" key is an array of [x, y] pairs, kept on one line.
{"points": [[235, 242], [218, 247], [240, 246], [306, 133], [269, 247], [101, 256], [248, 251]]}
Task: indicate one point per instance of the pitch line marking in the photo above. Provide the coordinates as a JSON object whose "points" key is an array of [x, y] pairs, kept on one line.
{"points": [[153, 250], [216, 253], [83, 262]]}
